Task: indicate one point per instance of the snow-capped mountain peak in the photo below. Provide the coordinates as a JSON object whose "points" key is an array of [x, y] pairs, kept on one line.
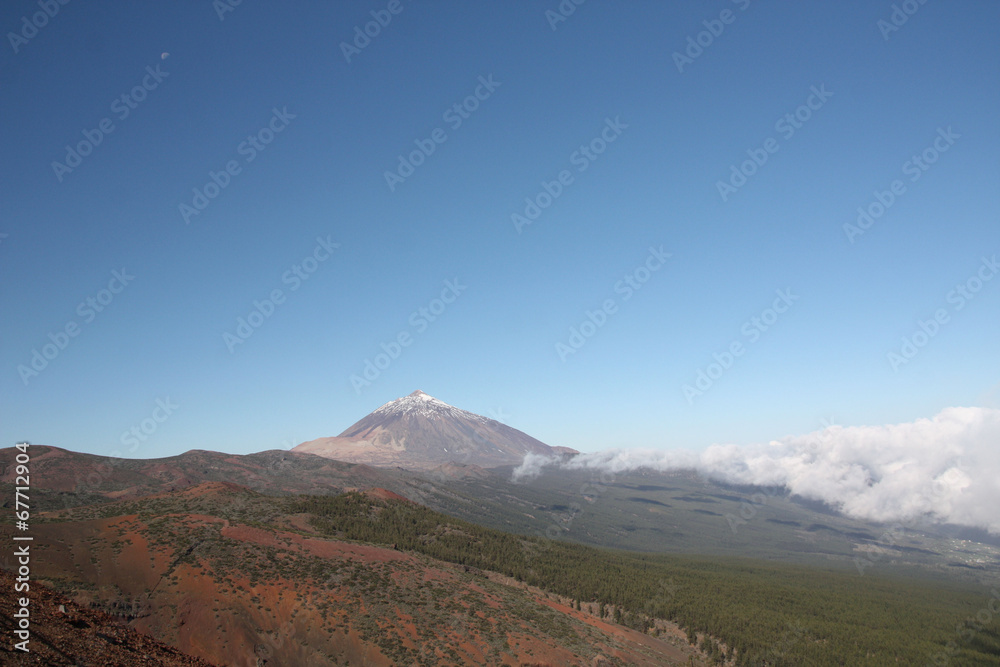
{"points": [[425, 405], [419, 431]]}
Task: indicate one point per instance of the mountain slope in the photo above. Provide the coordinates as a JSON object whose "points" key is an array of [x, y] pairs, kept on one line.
{"points": [[239, 578], [678, 512], [420, 432], [64, 633], [63, 478]]}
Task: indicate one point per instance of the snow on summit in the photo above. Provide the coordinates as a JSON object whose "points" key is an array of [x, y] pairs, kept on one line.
{"points": [[425, 405], [421, 432]]}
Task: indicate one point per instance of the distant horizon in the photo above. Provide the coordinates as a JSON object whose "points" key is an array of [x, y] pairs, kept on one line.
{"points": [[785, 434], [941, 467], [500, 416], [661, 226], [932, 469], [497, 415]]}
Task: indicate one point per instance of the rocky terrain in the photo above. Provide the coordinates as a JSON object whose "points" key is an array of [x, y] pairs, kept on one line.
{"points": [[64, 633], [222, 573], [420, 432], [276, 558]]}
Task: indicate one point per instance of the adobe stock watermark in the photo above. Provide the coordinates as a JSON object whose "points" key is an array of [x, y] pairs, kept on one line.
{"points": [[967, 630], [87, 310], [381, 18], [666, 595], [142, 431], [289, 443], [889, 539], [590, 491], [901, 13], [223, 7], [454, 115], [563, 11], [419, 322], [293, 277], [90, 478], [774, 654], [122, 107], [31, 26], [426, 489], [581, 158], [629, 284], [495, 414], [914, 168], [958, 297], [752, 330], [786, 126], [250, 148], [749, 506], [713, 29]]}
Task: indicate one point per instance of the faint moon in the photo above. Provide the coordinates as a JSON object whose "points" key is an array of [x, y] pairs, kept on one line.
{"points": [[163, 56]]}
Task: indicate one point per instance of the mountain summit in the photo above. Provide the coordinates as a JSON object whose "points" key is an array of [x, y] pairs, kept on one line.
{"points": [[416, 403], [421, 432]]}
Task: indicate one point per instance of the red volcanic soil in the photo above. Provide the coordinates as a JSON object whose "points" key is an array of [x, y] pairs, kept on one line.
{"points": [[321, 548], [627, 635], [384, 494], [65, 633], [249, 593]]}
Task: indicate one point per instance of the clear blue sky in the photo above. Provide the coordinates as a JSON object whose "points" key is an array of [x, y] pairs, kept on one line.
{"points": [[494, 348]]}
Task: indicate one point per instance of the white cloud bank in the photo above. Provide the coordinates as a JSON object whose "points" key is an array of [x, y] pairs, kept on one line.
{"points": [[946, 468]]}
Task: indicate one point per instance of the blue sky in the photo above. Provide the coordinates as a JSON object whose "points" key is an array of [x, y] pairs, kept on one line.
{"points": [[334, 128]]}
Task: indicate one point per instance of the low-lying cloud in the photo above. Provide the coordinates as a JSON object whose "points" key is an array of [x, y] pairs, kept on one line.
{"points": [[946, 468]]}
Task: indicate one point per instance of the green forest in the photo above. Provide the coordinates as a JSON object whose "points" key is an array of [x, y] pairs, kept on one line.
{"points": [[745, 612]]}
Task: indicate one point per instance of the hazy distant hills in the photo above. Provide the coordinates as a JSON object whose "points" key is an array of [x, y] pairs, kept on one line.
{"points": [[223, 557], [72, 478], [420, 432], [679, 512]]}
